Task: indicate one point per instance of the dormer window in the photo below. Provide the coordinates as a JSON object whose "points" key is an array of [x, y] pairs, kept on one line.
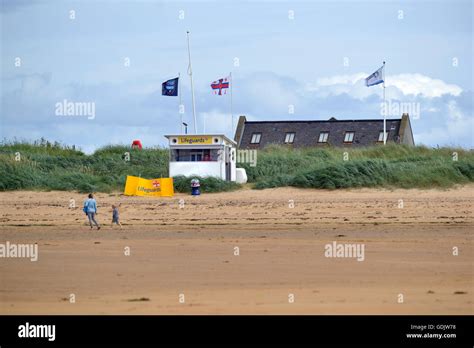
{"points": [[289, 138], [256, 138], [349, 137], [323, 137], [380, 140]]}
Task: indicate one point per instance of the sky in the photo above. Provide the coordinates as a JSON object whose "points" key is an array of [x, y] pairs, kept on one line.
{"points": [[289, 61]]}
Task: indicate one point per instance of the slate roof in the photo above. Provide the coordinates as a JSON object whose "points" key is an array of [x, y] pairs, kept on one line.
{"points": [[366, 132]]}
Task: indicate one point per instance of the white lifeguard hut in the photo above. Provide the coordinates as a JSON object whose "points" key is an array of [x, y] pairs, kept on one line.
{"points": [[202, 155]]}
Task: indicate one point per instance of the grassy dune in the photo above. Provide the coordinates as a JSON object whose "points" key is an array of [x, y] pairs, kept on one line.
{"points": [[52, 166], [46, 166], [390, 166]]}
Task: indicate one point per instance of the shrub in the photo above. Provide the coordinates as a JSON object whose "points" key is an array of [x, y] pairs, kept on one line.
{"points": [[183, 184]]}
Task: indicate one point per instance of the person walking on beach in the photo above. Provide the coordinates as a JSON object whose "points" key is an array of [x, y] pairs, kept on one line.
{"points": [[90, 208], [115, 216]]}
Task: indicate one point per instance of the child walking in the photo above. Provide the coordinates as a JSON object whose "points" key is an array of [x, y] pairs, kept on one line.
{"points": [[115, 216]]}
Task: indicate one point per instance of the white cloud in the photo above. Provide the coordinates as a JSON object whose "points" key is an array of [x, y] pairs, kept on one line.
{"points": [[416, 84], [215, 121], [340, 79], [454, 112], [405, 85], [455, 129], [271, 92]]}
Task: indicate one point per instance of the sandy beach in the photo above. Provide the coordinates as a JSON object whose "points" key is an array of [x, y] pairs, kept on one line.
{"points": [[188, 249]]}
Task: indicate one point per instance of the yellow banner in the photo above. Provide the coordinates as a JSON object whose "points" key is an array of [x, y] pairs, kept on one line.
{"points": [[194, 139], [135, 186]]}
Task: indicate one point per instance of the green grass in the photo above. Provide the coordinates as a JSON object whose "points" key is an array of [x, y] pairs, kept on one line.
{"points": [[52, 166], [378, 166]]}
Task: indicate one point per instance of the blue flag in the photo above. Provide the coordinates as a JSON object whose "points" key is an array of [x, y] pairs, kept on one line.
{"points": [[375, 78], [170, 87]]}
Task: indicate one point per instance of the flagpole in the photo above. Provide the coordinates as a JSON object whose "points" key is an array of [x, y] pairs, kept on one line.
{"points": [[180, 103], [190, 72], [231, 111], [385, 113]]}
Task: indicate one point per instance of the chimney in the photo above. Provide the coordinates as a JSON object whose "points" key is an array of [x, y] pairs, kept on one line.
{"points": [[405, 132], [240, 129]]}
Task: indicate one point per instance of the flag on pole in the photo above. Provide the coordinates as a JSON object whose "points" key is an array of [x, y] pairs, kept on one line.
{"points": [[170, 87], [376, 78], [221, 84]]}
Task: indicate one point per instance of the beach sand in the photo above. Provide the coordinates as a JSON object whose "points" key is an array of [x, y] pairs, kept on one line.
{"points": [[189, 250]]}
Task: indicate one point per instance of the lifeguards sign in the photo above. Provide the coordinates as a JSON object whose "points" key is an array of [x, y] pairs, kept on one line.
{"points": [[135, 186], [194, 139]]}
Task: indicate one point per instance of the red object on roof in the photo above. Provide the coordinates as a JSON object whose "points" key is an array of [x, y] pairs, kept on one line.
{"points": [[137, 144]]}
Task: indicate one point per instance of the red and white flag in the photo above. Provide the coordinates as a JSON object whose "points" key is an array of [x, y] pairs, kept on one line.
{"points": [[221, 84]]}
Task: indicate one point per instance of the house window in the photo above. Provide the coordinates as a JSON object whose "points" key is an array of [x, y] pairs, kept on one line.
{"points": [[323, 137], [380, 140], [256, 138], [349, 137], [289, 138]]}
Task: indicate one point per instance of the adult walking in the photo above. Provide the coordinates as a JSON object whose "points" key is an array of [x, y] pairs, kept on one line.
{"points": [[90, 208]]}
